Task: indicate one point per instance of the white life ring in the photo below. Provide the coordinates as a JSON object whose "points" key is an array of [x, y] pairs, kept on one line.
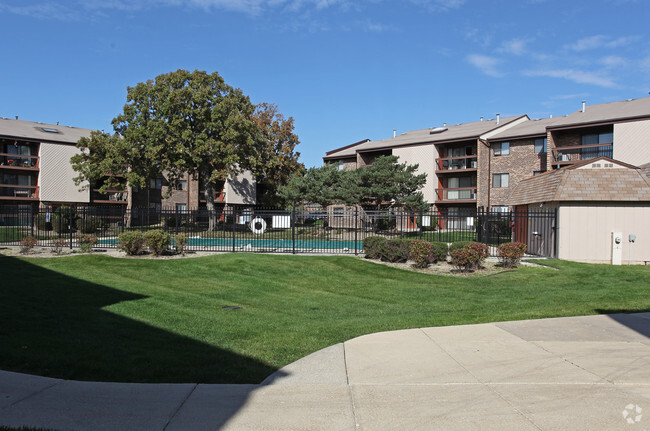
{"points": [[258, 225]]}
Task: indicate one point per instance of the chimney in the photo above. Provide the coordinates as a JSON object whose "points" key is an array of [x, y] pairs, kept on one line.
{"points": [[481, 118], [583, 105], [394, 132], [16, 117], [498, 118], [57, 123]]}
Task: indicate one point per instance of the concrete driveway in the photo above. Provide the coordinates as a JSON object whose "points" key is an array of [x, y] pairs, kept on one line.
{"points": [[576, 373]]}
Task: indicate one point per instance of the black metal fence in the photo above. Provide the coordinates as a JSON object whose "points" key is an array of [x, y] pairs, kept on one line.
{"points": [[333, 231]]}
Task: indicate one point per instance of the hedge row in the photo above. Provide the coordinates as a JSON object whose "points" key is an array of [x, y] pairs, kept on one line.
{"points": [[157, 241], [401, 250]]}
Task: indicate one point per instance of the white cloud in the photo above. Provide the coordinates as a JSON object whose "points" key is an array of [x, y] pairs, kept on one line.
{"points": [[41, 11], [600, 41], [579, 76], [486, 64], [514, 46], [439, 5], [613, 61]]}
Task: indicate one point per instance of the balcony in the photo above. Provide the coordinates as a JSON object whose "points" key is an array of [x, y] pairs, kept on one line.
{"points": [[109, 197], [572, 154], [456, 195], [15, 161], [219, 197], [16, 192], [457, 164]]}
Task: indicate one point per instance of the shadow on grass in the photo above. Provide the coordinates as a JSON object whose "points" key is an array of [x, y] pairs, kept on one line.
{"points": [[627, 318], [54, 325]]}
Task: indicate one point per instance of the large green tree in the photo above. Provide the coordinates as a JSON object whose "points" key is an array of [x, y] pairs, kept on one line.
{"points": [[385, 183], [190, 122]]}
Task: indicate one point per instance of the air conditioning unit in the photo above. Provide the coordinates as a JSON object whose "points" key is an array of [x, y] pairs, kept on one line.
{"points": [[473, 164]]}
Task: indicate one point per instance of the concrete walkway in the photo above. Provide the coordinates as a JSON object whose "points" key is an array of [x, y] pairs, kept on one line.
{"points": [[577, 373]]}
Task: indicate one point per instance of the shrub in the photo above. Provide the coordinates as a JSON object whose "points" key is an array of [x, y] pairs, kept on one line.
{"points": [[385, 221], [180, 243], [42, 223], [482, 251], [86, 242], [439, 251], [395, 250], [89, 224], [465, 259], [61, 220], [510, 253], [421, 252], [27, 243], [131, 242], [372, 246], [458, 245], [58, 244], [157, 241]]}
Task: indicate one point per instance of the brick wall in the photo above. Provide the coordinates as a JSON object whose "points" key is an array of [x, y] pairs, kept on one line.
{"points": [[482, 183], [520, 164]]}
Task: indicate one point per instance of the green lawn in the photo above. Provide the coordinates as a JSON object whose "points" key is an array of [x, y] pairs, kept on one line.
{"points": [[101, 318]]}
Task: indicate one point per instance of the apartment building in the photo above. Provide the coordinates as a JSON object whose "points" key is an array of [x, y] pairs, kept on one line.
{"points": [[476, 165], [35, 170]]}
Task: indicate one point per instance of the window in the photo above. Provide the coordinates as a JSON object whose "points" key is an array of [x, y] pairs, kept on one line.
{"points": [[460, 183], [181, 185], [501, 148], [340, 165], [500, 180], [500, 209], [597, 139], [155, 184], [540, 145], [535, 173], [181, 207]]}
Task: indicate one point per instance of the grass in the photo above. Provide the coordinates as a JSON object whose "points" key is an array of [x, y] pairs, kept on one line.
{"points": [[101, 318]]}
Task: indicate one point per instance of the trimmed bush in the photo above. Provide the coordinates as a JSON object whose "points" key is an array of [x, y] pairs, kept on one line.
{"points": [[372, 246], [89, 224], [421, 252], [439, 251], [395, 250], [131, 243], [465, 259], [27, 243], [86, 242], [42, 223], [458, 245], [510, 253], [482, 251], [180, 243], [157, 241]]}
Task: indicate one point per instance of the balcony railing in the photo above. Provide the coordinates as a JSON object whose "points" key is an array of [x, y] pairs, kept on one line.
{"points": [[18, 161], [11, 191], [112, 196], [456, 163], [576, 153], [467, 194]]}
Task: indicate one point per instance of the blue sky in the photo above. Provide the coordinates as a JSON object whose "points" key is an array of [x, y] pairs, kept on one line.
{"points": [[345, 70]]}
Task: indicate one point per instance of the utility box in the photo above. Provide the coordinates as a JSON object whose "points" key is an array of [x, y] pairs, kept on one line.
{"points": [[617, 248]]}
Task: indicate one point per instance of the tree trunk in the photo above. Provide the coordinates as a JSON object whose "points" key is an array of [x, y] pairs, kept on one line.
{"points": [[129, 204], [209, 202]]}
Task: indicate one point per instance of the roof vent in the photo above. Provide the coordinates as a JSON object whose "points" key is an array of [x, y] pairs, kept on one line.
{"points": [[481, 118], [584, 105], [498, 118], [437, 130]]}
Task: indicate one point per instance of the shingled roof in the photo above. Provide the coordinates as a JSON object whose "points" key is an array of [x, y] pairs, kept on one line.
{"points": [[600, 179], [41, 132]]}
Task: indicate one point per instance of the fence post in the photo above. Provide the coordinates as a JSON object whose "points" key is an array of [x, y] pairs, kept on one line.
{"points": [[356, 229], [70, 224], [293, 228], [176, 232], [421, 221], [234, 227], [31, 219], [124, 217], [555, 228]]}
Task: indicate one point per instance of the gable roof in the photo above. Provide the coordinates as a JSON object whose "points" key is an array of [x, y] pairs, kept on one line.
{"points": [[457, 132], [607, 113], [33, 131], [621, 182], [526, 129]]}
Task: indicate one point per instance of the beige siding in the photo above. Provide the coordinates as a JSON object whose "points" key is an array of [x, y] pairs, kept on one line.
{"points": [[632, 142], [56, 174], [585, 231], [424, 156], [241, 190]]}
